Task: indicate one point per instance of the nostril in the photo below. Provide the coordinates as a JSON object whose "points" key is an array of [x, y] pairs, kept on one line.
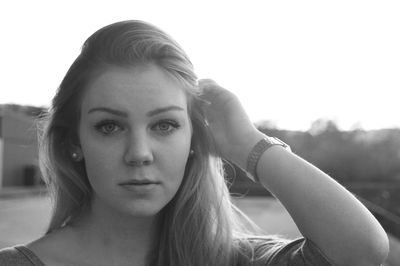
{"points": [[139, 162]]}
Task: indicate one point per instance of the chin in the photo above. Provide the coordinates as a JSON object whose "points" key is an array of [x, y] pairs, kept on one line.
{"points": [[144, 209]]}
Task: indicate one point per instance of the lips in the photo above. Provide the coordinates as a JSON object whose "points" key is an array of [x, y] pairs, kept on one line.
{"points": [[138, 182], [140, 187]]}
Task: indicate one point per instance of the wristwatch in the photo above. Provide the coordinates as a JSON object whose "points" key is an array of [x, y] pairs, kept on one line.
{"points": [[258, 150]]}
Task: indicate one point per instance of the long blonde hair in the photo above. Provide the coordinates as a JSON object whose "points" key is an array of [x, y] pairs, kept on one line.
{"points": [[200, 225]]}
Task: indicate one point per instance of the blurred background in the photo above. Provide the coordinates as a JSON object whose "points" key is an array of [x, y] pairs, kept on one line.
{"points": [[322, 76]]}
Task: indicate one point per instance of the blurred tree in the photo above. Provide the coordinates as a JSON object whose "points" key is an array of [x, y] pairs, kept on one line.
{"points": [[345, 155], [323, 125]]}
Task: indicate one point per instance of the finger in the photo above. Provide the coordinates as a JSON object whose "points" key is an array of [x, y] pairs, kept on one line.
{"points": [[209, 85], [206, 82], [211, 91], [202, 101]]}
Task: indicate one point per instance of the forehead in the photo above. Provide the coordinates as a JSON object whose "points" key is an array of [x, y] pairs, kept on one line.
{"points": [[136, 88]]}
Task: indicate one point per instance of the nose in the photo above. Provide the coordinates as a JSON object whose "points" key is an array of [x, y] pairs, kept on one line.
{"points": [[138, 150]]}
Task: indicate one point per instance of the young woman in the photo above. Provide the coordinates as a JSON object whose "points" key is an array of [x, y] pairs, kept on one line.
{"points": [[131, 151]]}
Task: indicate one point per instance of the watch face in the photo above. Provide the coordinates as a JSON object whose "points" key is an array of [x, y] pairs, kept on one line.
{"points": [[276, 141]]}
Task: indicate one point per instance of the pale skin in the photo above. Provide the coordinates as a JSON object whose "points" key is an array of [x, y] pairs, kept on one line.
{"points": [[113, 237], [324, 211]]}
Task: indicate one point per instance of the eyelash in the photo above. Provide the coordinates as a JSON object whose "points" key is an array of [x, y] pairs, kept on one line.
{"points": [[170, 123], [101, 125]]}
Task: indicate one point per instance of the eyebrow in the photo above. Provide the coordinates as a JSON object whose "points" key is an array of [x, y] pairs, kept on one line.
{"points": [[164, 109], [108, 110], [124, 114]]}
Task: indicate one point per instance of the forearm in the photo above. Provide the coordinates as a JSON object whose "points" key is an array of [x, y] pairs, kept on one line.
{"points": [[323, 210]]}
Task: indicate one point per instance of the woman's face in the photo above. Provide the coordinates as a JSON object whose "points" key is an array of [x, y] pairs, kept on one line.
{"points": [[135, 135]]}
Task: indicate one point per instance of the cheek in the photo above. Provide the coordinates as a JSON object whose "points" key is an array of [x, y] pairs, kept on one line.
{"points": [[98, 166], [99, 158], [174, 157]]}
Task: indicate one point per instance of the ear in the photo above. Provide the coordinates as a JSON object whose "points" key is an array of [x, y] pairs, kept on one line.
{"points": [[75, 149], [76, 154]]}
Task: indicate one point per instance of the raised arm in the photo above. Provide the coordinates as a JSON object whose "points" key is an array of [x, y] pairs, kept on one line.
{"points": [[324, 211]]}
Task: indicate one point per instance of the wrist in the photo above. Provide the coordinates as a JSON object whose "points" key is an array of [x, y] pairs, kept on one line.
{"points": [[258, 150], [243, 149]]}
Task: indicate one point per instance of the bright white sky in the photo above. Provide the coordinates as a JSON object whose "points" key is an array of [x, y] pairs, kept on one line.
{"points": [[291, 62]]}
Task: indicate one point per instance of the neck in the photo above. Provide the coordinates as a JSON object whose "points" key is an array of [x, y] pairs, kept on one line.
{"points": [[110, 234]]}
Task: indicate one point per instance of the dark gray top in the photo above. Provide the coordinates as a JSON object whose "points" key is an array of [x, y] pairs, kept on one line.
{"points": [[19, 256], [299, 252]]}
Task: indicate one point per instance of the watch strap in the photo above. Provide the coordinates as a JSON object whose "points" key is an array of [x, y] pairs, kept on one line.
{"points": [[258, 150]]}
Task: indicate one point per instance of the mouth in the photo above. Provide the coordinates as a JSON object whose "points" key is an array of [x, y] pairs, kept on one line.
{"points": [[137, 182], [140, 187]]}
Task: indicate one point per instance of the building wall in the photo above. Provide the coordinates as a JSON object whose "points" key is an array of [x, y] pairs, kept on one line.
{"points": [[19, 148], [1, 158]]}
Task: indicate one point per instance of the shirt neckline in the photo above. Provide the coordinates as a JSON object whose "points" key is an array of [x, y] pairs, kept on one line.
{"points": [[30, 255]]}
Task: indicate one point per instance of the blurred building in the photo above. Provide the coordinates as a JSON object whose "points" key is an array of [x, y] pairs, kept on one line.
{"points": [[18, 146]]}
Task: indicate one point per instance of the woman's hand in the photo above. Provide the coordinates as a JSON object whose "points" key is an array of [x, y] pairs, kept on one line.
{"points": [[324, 211], [234, 133]]}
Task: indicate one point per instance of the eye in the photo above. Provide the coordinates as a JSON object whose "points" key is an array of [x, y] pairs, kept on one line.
{"points": [[165, 127], [108, 127]]}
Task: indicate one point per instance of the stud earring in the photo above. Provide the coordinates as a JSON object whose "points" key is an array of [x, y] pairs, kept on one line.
{"points": [[77, 156], [191, 153]]}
